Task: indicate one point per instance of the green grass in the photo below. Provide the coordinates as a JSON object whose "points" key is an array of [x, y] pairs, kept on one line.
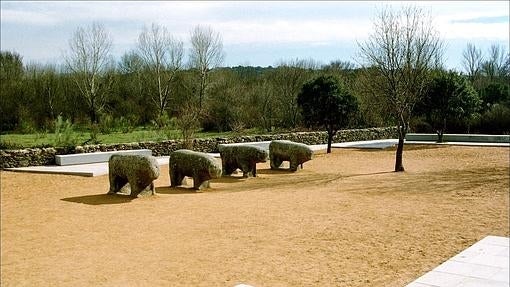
{"points": [[140, 135]]}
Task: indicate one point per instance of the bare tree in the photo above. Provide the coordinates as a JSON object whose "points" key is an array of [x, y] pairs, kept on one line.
{"points": [[89, 62], [472, 61], [206, 53], [162, 56], [494, 66], [287, 80], [399, 55]]}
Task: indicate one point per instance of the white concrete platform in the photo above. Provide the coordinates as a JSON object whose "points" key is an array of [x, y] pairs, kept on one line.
{"points": [[460, 138], [381, 144], [265, 145], [91, 169], [485, 263], [95, 157], [374, 144]]}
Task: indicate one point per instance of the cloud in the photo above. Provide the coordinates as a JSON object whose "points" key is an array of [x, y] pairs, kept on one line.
{"points": [[27, 17], [484, 20], [271, 28]]}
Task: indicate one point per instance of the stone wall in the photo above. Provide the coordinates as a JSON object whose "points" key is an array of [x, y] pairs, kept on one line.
{"points": [[46, 156]]}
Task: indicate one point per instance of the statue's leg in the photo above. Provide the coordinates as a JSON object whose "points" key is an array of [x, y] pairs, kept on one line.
{"points": [[246, 169], [204, 184], [116, 183], [275, 162], [175, 178], [228, 169], [147, 191], [224, 166], [197, 181], [113, 187], [135, 187], [293, 164], [254, 169]]}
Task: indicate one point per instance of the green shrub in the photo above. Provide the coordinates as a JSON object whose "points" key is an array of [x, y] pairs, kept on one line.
{"points": [[64, 135], [5, 144], [496, 120], [106, 124]]}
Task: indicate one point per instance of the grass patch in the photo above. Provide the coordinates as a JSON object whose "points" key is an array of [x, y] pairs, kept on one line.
{"points": [[83, 137]]}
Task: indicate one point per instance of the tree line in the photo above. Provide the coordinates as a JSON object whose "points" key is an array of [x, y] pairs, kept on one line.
{"points": [[156, 85]]}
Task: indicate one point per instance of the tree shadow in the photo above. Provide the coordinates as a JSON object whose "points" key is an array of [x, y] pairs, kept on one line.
{"points": [[230, 179], [176, 190], [283, 170], [100, 199]]}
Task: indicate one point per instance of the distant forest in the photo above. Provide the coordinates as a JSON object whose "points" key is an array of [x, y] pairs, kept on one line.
{"points": [[142, 90]]}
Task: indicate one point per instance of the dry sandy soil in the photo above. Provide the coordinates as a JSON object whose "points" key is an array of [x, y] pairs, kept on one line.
{"points": [[344, 220]]}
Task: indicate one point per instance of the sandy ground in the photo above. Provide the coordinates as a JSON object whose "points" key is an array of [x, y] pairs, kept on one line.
{"points": [[344, 220]]}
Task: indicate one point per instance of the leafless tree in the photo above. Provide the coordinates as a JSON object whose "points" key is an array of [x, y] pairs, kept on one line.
{"points": [[206, 53], [89, 62], [162, 56], [472, 61], [287, 80], [494, 66], [399, 55]]}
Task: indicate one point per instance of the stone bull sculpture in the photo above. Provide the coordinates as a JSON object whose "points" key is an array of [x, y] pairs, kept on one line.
{"points": [[198, 165], [283, 150], [244, 157], [138, 170]]}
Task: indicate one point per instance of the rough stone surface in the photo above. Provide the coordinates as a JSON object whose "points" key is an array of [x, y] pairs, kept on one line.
{"points": [[138, 170], [200, 166], [244, 157], [46, 156], [283, 150]]}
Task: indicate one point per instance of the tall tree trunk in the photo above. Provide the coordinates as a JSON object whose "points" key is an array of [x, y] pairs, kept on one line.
{"points": [[92, 112], [330, 140], [440, 132], [402, 129], [440, 136]]}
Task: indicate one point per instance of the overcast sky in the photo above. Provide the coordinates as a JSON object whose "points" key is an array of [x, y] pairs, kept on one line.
{"points": [[254, 33]]}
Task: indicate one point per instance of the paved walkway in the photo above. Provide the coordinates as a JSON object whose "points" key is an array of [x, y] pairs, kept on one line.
{"points": [[485, 263]]}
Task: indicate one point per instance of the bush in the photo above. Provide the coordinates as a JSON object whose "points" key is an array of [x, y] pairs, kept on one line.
{"points": [[496, 120], [64, 135], [106, 124], [9, 145]]}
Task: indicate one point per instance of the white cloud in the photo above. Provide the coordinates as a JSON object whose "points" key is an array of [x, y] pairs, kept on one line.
{"points": [[27, 17], [264, 25]]}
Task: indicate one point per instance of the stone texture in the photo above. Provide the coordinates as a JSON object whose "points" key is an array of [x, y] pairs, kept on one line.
{"points": [[46, 156], [284, 150], [138, 170], [244, 157], [200, 166]]}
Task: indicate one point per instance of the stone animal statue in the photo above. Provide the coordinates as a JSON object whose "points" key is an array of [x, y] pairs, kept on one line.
{"points": [[283, 150], [244, 157], [139, 171], [198, 165]]}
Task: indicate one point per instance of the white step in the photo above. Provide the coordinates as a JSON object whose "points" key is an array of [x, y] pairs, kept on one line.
{"points": [[95, 157]]}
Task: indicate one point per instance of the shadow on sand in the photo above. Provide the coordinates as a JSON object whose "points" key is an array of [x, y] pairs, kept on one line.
{"points": [[176, 190], [284, 170], [99, 199]]}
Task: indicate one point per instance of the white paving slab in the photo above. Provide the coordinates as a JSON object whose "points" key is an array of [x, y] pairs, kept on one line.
{"points": [[485, 263], [265, 145], [373, 144], [95, 157], [91, 169]]}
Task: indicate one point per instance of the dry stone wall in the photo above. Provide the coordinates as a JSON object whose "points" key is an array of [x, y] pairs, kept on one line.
{"points": [[46, 156]]}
